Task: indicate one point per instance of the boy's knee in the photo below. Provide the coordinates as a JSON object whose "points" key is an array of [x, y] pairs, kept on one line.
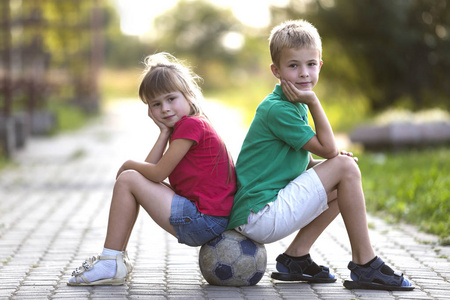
{"points": [[348, 166]]}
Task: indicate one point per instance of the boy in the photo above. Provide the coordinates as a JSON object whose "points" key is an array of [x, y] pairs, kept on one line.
{"points": [[281, 189]]}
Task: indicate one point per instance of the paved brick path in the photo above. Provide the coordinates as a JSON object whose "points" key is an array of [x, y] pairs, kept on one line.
{"points": [[54, 201]]}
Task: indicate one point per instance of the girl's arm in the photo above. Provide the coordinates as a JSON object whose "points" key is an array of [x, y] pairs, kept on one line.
{"points": [[158, 149], [161, 143], [323, 143], [162, 169]]}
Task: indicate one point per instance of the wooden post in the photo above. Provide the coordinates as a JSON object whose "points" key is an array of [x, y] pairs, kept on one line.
{"points": [[5, 49]]}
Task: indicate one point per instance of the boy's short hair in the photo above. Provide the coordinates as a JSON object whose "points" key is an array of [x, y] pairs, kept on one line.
{"points": [[293, 34]]}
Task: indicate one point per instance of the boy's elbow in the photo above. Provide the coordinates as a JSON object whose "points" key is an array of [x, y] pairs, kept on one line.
{"points": [[330, 153], [327, 149]]}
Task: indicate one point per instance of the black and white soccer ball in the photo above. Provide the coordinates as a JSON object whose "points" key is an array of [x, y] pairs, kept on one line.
{"points": [[232, 259]]}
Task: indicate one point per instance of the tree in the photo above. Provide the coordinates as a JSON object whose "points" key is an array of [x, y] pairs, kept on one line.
{"points": [[195, 30], [396, 52]]}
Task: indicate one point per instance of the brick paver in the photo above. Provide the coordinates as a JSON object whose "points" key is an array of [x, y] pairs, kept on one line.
{"points": [[54, 202]]}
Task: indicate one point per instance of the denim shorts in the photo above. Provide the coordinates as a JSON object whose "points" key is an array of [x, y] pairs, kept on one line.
{"points": [[191, 226]]}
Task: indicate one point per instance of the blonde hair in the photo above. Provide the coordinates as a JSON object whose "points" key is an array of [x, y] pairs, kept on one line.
{"points": [[165, 74], [293, 34]]}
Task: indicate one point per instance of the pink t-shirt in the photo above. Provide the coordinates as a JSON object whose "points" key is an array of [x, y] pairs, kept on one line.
{"points": [[206, 173]]}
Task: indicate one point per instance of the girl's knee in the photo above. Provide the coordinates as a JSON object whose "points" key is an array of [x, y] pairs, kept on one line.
{"points": [[134, 181], [127, 177]]}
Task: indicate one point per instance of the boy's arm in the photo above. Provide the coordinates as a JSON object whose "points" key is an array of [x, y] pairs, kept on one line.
{"points": [[313, 162], [322, 143]]}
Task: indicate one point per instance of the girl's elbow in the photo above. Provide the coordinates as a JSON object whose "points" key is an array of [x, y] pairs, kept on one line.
{"points": [[156, 177], [154, 173]]}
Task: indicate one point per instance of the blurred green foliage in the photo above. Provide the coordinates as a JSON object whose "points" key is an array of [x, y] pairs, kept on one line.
{"points": [[394, 52], [119, 83], [377, 54], [49, 50]]}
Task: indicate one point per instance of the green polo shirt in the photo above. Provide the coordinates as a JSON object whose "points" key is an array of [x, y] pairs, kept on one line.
{"points": [[271, 155]]}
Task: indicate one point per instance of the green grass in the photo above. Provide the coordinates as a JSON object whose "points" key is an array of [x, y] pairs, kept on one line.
{"points": [[412, 186], [69, 117], [3, 160]]}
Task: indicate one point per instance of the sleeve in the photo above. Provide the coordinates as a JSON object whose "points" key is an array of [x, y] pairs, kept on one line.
{"points": [[288, 123], [189, 128]]}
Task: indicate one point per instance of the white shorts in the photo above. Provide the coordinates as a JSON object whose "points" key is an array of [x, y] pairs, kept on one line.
{"points": [[299, 203]]}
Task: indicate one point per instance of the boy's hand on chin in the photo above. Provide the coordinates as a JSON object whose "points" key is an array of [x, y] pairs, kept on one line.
{"points": [[295, 95]]}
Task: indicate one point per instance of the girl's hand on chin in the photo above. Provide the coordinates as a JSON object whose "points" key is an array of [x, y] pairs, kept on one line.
{"points": [[160, 125]]}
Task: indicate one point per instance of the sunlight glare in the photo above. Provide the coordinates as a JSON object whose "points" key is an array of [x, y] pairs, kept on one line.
{"points": [[136, 16], [251, 13], [233, 41]]}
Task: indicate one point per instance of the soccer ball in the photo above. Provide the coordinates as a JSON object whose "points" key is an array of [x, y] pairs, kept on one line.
{"points": [[232, 259]]}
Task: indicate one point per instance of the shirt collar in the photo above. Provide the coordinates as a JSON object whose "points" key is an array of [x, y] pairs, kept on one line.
{"points": [[279, 91]]}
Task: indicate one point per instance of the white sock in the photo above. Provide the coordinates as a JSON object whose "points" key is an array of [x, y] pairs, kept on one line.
{"points": [[102, 269]]}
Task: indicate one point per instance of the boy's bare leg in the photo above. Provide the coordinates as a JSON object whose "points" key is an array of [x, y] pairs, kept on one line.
{"points": [[302, 243], [131, 190], [342, 173]]}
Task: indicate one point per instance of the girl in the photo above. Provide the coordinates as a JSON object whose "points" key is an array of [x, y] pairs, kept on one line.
{"points": [[195, 206]]}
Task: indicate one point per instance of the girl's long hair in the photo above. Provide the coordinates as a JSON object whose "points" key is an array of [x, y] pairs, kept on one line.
{"points": [[164, 74]]}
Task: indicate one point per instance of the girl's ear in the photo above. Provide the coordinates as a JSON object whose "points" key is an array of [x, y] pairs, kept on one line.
{"points": [[275, 71]]}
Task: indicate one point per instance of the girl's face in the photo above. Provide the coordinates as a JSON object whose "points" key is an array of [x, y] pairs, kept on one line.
{"points": [[169, 108], [301, 66]]}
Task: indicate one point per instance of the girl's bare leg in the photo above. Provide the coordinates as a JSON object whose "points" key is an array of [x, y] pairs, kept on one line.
{"points": [[130, 191]]}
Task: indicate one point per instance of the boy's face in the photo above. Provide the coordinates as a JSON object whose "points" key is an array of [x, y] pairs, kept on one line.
{"points": [[301, 66]]}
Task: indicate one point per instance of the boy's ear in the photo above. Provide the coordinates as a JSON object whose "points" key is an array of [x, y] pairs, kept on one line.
{"points": [[321, 64], [275, 71]]}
